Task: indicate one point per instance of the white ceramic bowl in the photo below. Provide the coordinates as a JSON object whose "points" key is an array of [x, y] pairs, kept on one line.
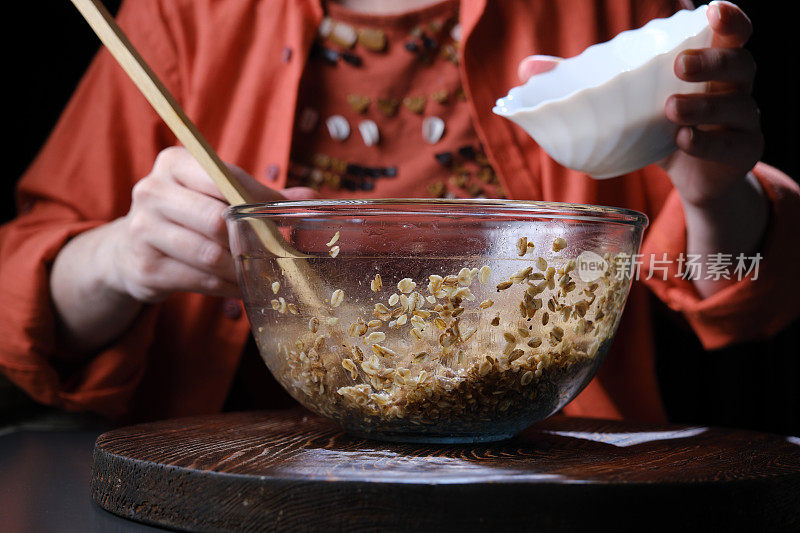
{"points": [[602, 112]]}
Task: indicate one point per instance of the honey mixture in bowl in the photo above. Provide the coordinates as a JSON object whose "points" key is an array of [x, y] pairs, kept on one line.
{"points": [[403, 353]]}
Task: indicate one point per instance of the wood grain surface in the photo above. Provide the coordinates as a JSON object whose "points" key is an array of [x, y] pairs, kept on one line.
{"points": [[293, 471]]}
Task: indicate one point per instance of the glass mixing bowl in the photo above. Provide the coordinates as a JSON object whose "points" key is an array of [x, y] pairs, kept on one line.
{"points": [[434, 320]]}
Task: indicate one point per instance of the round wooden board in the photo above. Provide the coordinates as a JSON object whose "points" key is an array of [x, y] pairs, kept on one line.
{"points": [[292, 471]]}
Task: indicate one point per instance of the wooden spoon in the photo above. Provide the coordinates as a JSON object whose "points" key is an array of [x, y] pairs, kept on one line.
{"points": [[115, 40]]}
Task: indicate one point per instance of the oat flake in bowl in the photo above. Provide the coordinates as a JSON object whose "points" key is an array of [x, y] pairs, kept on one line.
{"points": [[436, 321]]}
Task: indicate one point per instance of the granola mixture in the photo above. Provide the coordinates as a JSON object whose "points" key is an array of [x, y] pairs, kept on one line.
{"points": [[457, 350]]}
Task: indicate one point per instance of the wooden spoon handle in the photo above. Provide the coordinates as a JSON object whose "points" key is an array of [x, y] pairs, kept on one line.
{"points": [[160, 98], [290, 260]]}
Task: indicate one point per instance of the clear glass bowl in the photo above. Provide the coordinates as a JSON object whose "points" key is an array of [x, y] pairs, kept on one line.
{"points": [[434, 321]]}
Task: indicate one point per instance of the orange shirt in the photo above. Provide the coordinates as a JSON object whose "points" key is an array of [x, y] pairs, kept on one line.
{"points": [[403, 86], [236, 67]]}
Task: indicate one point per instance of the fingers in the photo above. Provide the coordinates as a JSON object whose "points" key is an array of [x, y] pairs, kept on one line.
{"points": [[262, 193], [722, 125], [732, 28], [164, 200], [178, 165], [194, 211], [155, 278], [729, 147], [536, 64], [724, 128], [732, 66], [725, 64], [736, 111], [157, 257], [175, 237], [193, 250], [301, 193], [257, 191]]}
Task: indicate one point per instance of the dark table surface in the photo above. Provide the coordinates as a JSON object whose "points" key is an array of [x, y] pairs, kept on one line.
{"points": [[45, 481], [44, 484]]}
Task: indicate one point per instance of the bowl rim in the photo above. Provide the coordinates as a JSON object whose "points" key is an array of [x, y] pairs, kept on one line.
{"points": [[501, 108], [465, 207]]}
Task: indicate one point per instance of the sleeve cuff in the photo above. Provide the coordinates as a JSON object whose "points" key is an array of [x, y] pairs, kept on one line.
{"points": [[759, 304], [30, 355]]}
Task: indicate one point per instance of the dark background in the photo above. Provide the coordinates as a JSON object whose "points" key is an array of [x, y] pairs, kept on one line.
{"points": [[754, 385]]}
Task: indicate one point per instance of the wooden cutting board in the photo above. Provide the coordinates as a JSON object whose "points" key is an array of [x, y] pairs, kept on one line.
{"points": [[292, 471]]}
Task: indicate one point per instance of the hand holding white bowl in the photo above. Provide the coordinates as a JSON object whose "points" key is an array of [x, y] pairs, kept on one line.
{"points": [[719, 140]]}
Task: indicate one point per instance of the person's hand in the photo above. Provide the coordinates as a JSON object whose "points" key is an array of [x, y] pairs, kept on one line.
{"points": [[174, 238], [720, 139], [533, 65]]}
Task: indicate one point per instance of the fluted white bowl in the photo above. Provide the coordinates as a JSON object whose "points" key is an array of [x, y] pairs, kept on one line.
{"points": [[602, 112]]}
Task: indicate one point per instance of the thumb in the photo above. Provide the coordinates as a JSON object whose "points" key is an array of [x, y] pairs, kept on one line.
{"points": [[257, 192], [536, 64], [732, 28], [300, 193]]}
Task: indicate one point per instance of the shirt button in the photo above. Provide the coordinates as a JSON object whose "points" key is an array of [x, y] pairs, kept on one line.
{"points": [[286, 54], [25, 207], [272, 172], [231, 308]]}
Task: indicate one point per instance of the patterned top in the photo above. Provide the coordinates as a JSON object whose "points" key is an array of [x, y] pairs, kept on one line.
{"points": [[381, 97]]}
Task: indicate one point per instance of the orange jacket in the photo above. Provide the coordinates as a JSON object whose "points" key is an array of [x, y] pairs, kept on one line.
{"points": [[226, 62]]}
